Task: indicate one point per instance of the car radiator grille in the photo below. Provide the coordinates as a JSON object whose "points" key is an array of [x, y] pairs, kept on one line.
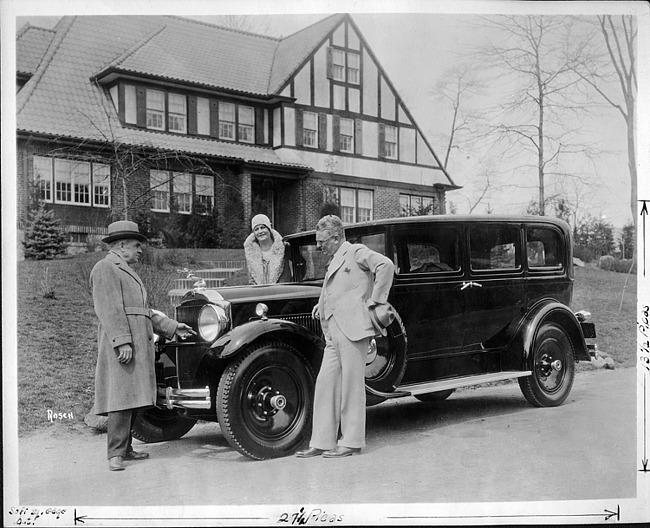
{"points": [[189, 315]]}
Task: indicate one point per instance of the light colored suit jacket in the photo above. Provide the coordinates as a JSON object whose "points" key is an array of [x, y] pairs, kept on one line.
{"points": [[356, 278]]}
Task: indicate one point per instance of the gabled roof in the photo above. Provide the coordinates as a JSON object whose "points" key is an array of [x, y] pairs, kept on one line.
{"points": [[31, 45], [62, 99], [292, 51]]}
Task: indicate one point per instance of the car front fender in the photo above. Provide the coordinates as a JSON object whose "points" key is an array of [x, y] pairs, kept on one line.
{"points": [[243, 335]]}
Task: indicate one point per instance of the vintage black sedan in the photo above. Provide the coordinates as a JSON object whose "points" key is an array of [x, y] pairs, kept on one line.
{"points": [[479, 299]]}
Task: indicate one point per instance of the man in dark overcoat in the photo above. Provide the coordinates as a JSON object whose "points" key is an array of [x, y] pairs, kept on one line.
{"points": [[125, 377]]}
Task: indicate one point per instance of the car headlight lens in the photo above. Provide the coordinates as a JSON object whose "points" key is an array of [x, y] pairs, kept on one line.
{"points": [[212, 322]]}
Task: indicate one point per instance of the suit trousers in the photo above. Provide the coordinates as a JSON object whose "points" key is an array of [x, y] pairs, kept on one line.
{"points": [[118, 438], [340, 394]]}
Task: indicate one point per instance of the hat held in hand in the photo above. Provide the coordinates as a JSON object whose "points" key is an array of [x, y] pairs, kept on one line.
{"points": [[382, 315], [123, 230]]}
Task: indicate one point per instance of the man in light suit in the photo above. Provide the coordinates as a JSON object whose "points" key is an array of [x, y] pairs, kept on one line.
{"points": [[357, 281]]}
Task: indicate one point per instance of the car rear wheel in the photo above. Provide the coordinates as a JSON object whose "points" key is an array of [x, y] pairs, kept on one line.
{"points": [[435, 396], [265, 401], [553, 368], [159, 425]]}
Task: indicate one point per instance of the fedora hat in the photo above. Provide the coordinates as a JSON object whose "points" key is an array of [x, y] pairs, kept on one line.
{"points": [[123, 229], [382, 315]]}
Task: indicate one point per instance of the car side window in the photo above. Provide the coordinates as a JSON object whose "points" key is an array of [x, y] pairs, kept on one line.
{"points": [[374, 241], [433, 249], [494, 247], [543, 248]]}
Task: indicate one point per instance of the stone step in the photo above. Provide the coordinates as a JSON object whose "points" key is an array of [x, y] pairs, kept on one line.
{"points": [[221, 264], [215, 273]]}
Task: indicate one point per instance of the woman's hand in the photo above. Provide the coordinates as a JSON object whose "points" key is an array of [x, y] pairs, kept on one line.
{"points": [[183, 331]]}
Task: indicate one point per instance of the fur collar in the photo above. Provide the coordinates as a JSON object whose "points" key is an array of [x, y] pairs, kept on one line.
{"points": [[253, 253]]}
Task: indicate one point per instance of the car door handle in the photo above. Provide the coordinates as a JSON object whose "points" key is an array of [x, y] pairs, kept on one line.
{"points": [[470, 284]]}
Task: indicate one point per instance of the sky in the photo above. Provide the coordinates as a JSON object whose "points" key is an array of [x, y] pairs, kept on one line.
{"points": [[416, 43]]}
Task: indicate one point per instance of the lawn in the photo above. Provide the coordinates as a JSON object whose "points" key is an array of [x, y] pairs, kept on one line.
{"points": [[57, 328]]}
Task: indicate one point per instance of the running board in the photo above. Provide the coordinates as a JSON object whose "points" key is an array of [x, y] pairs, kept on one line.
{"points": [[437, 386]]}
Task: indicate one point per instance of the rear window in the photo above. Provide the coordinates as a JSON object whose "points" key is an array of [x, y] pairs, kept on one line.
{"points": [[494, 247], [543, 248]]}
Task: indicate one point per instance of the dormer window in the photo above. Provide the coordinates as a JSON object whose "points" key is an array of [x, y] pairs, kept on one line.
{"points": [[226, 121], [155, 110], [177, 119]]}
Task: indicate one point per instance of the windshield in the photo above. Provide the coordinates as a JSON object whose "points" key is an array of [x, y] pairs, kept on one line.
{"points": [[310, 264]]}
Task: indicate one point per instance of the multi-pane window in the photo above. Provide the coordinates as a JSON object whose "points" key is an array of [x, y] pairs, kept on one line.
{"points": [[390, 142], [226, 120], [246, 125], [345, 66], [101, 185], [204, 192], [72, 182], [338, 65], [182, 186], [155, 109], [355, 205], [43, 177], [412, 205], [310, 129], [347, 135], [353, 68], [159, 184], [177, 116]]}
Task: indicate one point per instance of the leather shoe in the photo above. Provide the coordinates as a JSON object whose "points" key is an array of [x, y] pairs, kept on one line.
{"points": [[115, 464], [341, 452], [134, 455], [311, 452]]}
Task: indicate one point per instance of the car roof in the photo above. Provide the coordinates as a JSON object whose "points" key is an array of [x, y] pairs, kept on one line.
{"points": [[446, 218]]}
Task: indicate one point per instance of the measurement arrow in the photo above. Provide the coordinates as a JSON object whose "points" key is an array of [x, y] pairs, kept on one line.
{"points": [[644, 460], [81, 519], [607, 514], [644, 213]]}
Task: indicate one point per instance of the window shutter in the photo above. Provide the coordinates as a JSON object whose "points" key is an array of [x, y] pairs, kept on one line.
{"points": [[382, 140], [358, 134], [330, 54], [299, 128], [322, 131], [214, 118], [191, 115], [259, 126], [336, 133], [141, 106]]}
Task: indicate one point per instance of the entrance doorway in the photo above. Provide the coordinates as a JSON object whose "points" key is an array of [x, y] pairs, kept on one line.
{"points": [[263, 197]]}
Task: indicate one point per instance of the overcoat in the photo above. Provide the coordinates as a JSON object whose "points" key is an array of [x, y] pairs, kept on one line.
{"points": [[277, 270], [356, 278], [120, 301]]}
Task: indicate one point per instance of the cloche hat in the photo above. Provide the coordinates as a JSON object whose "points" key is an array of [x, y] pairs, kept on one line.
{"points": [[123, 229], [260, 219]]}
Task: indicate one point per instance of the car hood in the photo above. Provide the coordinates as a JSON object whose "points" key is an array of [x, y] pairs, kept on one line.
{"points": [[270, 292]]}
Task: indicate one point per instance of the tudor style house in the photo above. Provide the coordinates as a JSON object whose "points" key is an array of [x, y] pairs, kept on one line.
{"points": [[124, 114]]}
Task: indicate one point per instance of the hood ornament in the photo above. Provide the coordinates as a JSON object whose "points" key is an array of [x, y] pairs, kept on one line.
{"points": [[199, 283]]}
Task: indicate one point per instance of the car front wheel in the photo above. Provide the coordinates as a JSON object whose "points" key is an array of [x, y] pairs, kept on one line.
{"points": [[265, 401], [553, 368], [160, 425]]}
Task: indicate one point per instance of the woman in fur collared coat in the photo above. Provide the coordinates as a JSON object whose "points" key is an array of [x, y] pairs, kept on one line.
{"points": [[125, 377], [265, 254]]}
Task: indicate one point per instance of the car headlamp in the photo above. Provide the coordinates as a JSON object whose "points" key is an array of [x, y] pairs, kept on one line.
{"points": [[212, 322]]}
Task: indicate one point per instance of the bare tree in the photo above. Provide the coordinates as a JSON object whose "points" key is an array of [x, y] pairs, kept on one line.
{"points": [[539, 122], [610, 70], [456, 88]]}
